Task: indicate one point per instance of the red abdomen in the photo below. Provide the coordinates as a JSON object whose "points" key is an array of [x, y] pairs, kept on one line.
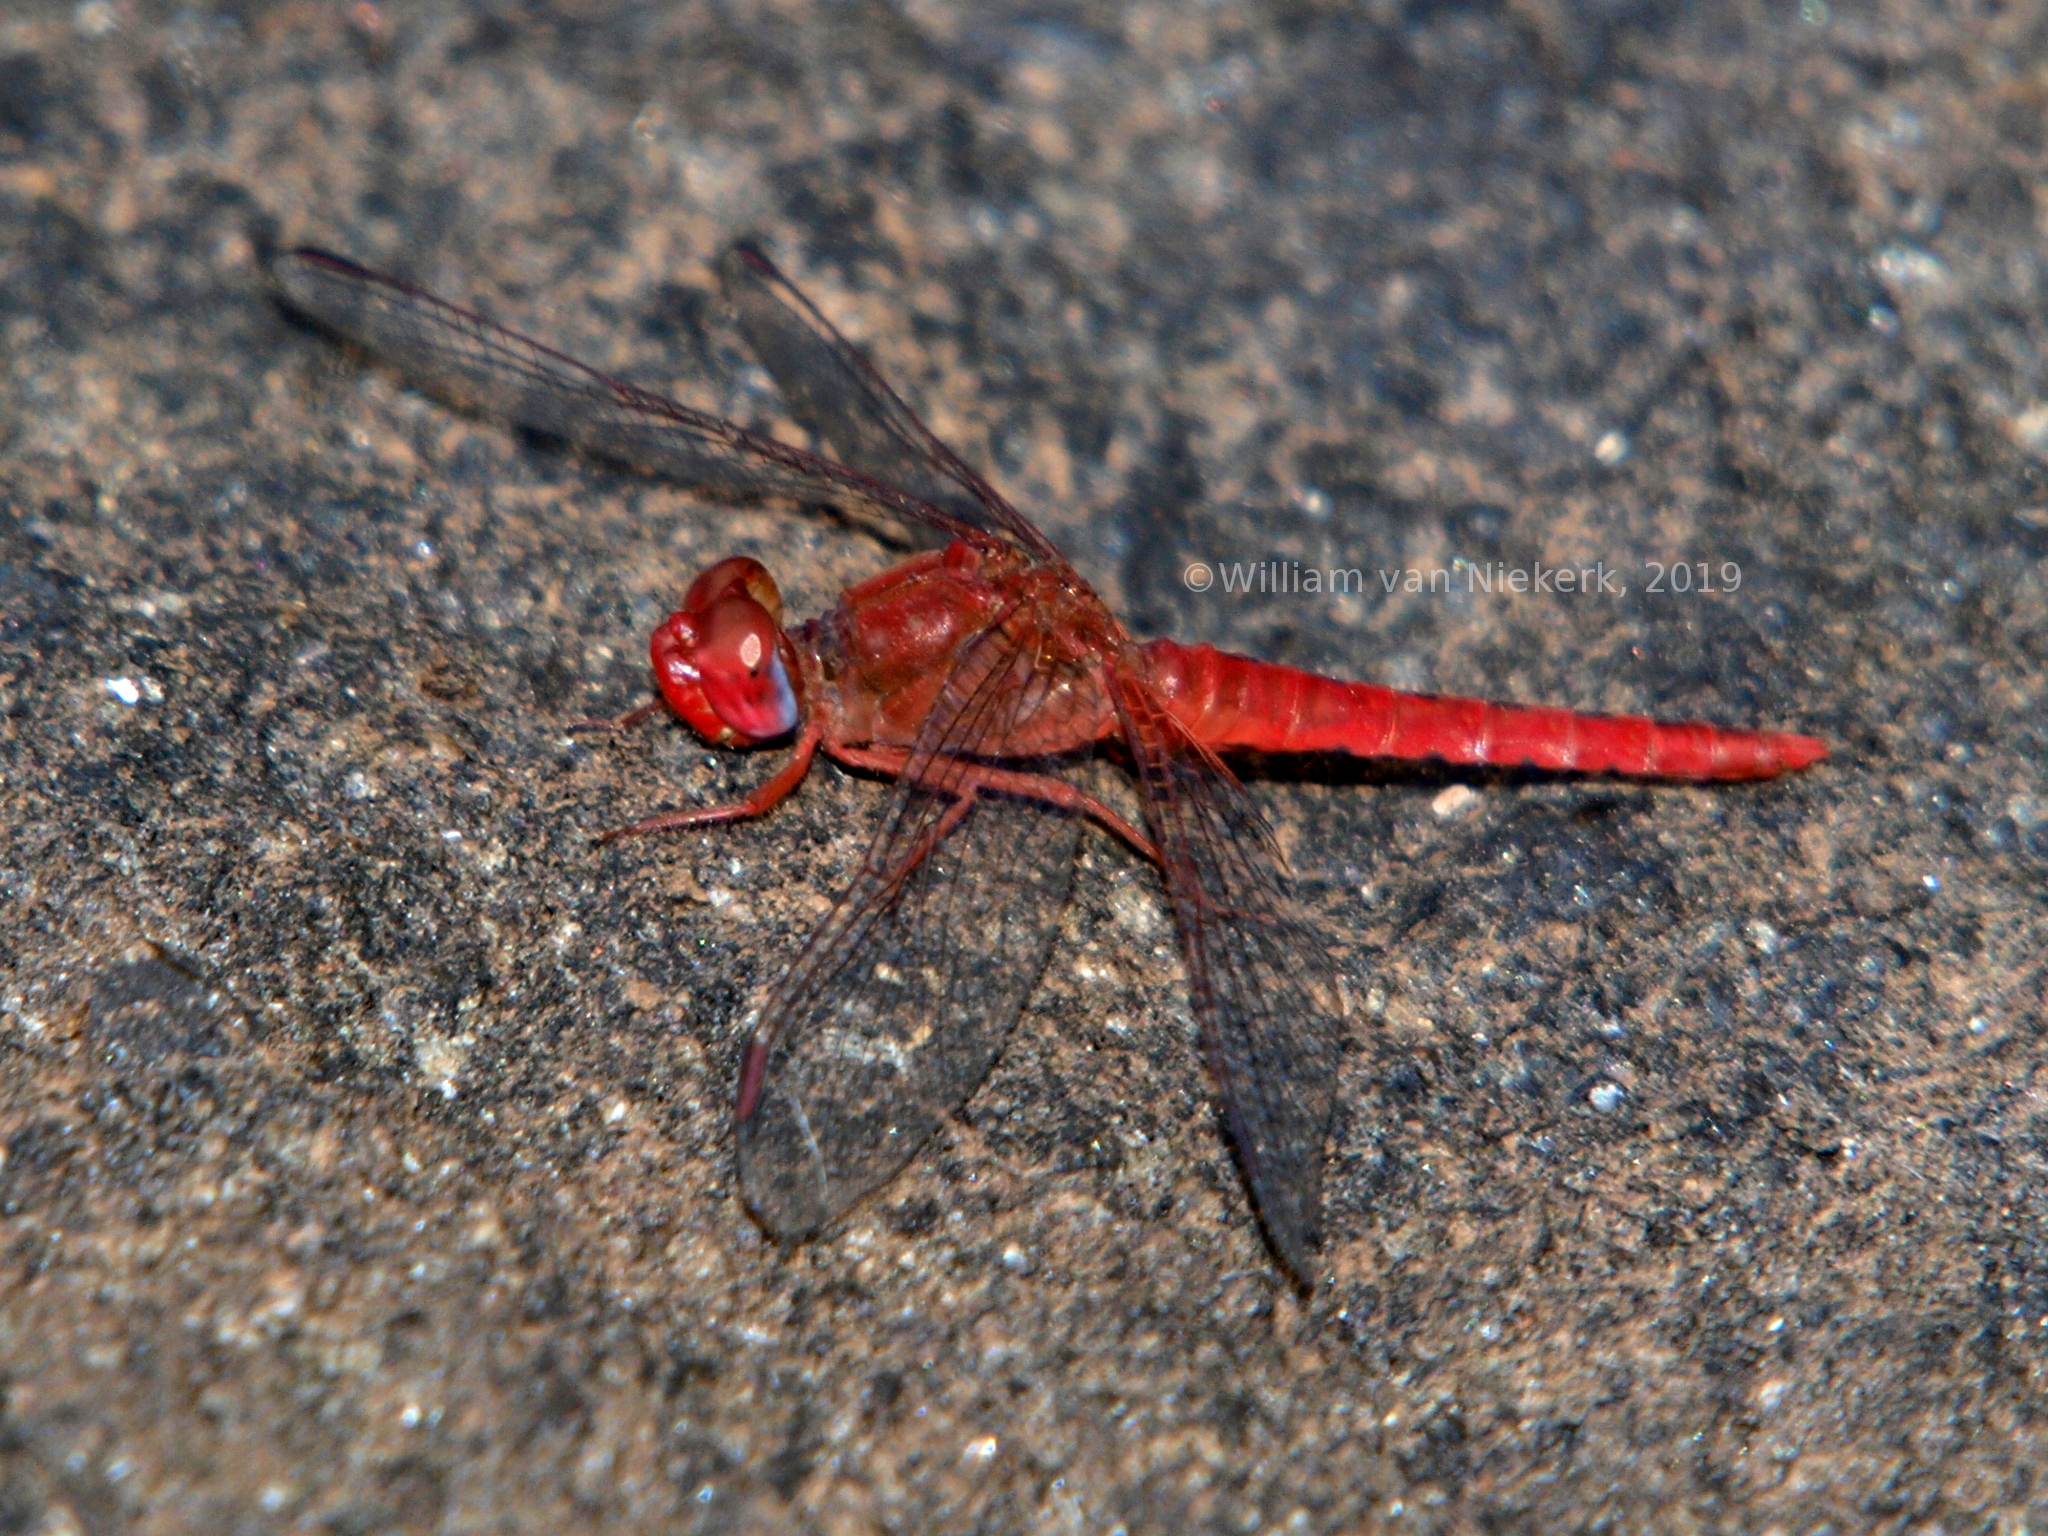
{"points": [[1232, 702]]}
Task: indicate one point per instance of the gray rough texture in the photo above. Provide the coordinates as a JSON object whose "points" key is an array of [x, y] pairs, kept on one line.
{"points": [[368, 1163]]}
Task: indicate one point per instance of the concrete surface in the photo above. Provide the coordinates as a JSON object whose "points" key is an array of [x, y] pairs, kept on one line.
{"points": [[367, 1152]]}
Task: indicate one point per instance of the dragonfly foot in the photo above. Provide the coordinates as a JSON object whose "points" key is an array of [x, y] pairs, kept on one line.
{"points": [[625, 722]]}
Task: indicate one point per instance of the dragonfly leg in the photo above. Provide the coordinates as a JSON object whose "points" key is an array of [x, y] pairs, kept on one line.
{"points": [[1028, 786], [759, 803], [625, 722]]}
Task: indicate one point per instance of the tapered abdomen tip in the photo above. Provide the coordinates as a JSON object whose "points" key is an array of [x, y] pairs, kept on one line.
{"points": [[1801, 751]]}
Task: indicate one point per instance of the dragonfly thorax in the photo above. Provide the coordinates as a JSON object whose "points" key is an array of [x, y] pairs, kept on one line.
{"points": [[721, 660]]}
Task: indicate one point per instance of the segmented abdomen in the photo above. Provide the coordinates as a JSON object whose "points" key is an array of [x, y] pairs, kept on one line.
{"points": [[1232, 702]]}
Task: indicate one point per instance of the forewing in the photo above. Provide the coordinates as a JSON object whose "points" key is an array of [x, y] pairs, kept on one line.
{"points": [[1264, 993], [902, 1000], [460, 355], [835, 392]]}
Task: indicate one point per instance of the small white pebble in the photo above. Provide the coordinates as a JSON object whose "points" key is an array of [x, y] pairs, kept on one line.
{"points": [[126, 689], [1313, 501], [1612, 447], [1454, 802], [1606, 1097], [1905, 266]]}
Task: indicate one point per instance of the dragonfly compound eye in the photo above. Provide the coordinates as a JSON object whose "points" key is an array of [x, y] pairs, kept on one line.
{"points": [[737, 575], [739, 655], [723, 669]]}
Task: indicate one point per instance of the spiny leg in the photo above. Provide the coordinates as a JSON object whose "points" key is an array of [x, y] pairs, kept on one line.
{"points": [[1027, 786], [764, 799], [625, 722]]}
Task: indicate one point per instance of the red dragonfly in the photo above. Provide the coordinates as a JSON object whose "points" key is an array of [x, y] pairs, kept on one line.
{"points": [[977, 676]]}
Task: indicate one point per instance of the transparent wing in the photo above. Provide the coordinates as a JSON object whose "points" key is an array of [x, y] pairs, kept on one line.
{"points": [[459, 354], [1264, 992], [900, 1003], [836, 393]]}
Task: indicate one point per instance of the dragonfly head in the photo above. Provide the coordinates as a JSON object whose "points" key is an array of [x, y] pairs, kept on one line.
{"points": [[722, 661]]}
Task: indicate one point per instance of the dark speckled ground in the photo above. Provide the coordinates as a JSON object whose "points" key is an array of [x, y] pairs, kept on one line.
{"points": [[367, 1161]]}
